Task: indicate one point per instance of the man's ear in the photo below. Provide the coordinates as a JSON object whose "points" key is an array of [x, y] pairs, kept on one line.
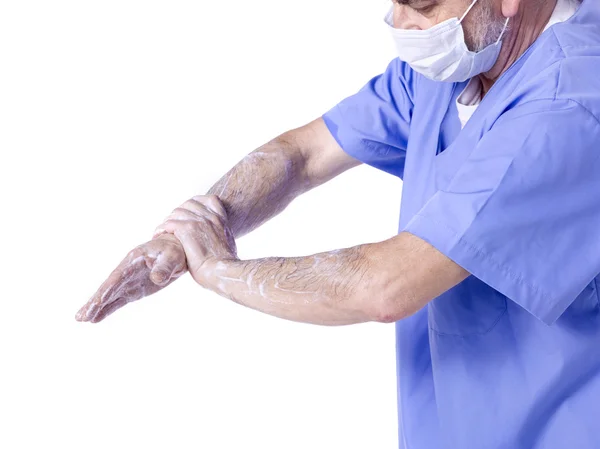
{"points": [[510, 7]]}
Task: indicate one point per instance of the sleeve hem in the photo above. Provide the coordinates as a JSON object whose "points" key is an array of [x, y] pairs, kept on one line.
{"points": [[332, 127]]}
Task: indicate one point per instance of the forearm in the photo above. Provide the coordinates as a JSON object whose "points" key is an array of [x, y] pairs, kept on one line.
{"points": [[331, 288], [262, 184]]}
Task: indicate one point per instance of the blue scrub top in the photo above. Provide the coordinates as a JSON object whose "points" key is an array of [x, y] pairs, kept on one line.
{"points": [[509, 358]]}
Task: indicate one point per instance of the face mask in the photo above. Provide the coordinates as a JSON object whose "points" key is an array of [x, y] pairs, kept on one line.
{"points": [[440, 52]]}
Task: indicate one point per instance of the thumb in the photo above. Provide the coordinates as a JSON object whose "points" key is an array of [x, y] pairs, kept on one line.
{"points": [[161, 273], [195, 252]]}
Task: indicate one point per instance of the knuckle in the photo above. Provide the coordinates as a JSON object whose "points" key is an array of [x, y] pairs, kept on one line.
{"points": [[205, 218], [215, 202], [189, 225], [169, 226], [213, 219], [135, 252]]}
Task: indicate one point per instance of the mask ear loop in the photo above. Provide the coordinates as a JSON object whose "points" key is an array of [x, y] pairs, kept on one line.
{"points": [[467, 11], [503, 30], [471, 7]]}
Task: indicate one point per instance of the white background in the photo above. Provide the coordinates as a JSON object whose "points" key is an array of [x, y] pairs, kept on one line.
{"points": [[112, 113]]}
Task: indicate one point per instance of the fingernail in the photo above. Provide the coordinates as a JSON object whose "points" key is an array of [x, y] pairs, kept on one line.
{"points": [[159, 277]]}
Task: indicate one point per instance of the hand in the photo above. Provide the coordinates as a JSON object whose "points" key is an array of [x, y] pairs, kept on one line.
{"points": [[201, 225], [147, 269]]}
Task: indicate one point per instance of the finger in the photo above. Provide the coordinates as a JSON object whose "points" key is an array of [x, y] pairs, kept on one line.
{"points": [[102, 296], [103, 293], [160, 275], [195, 252], [201, 207], [173, 246], [181, 213], [158, 232], [112, 307], [213, 209], [165, 261], [81, 313], [96, 304], [195, 209], [170, 264], [136, 287], [189, 226], [213, 203], [186, 232], [110, 289], [194, 205], [161, 271]]}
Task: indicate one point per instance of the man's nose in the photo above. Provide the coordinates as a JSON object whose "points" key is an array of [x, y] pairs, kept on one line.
{"points": [[406, 18]]}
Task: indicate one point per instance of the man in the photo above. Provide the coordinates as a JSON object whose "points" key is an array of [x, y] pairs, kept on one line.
{"points": [[490, 115]]}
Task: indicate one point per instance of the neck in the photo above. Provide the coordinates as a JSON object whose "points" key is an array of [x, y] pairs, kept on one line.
{"points": [[525, 27]]}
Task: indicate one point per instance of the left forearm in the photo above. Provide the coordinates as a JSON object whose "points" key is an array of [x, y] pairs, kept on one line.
{"points": [[331, 288], [385, 281]]}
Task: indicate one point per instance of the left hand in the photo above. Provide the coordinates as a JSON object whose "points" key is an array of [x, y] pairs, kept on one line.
{"points": [[147, 269], [201, 225]]}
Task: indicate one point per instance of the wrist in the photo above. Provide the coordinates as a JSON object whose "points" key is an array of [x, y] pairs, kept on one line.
{"points": [[209, 274]]}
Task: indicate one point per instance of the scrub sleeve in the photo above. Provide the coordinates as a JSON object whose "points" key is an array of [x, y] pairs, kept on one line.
{"points": [[522, 213], [373, 125]]}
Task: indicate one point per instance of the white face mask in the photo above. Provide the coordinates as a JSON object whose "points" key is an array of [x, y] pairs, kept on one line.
{"points": [[440, 52]]}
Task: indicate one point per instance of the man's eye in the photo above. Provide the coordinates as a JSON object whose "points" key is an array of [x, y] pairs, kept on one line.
{"points": [[425, 9]]}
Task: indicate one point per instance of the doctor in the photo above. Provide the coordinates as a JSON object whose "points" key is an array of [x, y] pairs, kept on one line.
{"points": [[490, 115]]}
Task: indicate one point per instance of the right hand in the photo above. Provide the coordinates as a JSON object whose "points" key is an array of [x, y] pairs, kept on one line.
{"points": [[148, 268]]}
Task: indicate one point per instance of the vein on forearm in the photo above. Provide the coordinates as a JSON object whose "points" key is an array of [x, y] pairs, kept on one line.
{"points": [[262, 185], [326, 288]]}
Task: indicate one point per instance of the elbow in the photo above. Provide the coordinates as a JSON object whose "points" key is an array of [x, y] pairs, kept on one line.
{"points": [[388, 316], [394, 305], [380, 303], [385, 310], [388, 296]]}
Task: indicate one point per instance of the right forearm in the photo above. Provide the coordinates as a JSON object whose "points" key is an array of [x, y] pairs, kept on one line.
{"points": [[262, 184]]}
